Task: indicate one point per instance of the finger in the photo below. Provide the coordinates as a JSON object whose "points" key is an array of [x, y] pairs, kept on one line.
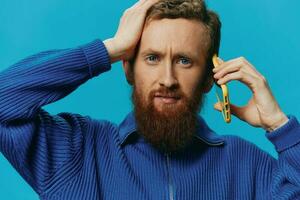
{"points": [[241, 76], [146, 4], [222, 64], [149, 3], [241, 61], [137, 4], [220, 61], [235, 66], [228, 69]]}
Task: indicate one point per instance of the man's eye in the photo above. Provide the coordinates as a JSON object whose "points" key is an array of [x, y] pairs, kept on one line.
{"points": [[152, 58], [184, 61]]}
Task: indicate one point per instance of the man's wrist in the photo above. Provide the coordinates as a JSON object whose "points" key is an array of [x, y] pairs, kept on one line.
{"points": [[283, 119], [114, 53]]}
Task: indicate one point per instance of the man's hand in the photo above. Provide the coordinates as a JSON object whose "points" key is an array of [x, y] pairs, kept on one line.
{"points": [[122, 45], [262, 109]]}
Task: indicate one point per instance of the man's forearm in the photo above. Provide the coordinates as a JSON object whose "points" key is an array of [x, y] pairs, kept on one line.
{"points": [[47, 77]]}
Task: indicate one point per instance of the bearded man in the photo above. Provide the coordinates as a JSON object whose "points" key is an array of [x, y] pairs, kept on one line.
{"points": [[163, 149]]}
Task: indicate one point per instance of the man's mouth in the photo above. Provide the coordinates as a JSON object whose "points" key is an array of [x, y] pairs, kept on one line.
{"points": [[167, 98]]}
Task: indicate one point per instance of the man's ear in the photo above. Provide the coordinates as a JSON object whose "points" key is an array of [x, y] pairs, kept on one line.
{"points": [[208, 85], [128, 71]]}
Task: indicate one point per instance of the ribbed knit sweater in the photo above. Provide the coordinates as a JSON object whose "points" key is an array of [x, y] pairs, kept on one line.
{"points": [[70, 156]]}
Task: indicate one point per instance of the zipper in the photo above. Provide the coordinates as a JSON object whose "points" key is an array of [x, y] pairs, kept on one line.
{"points": [[170, 182]]}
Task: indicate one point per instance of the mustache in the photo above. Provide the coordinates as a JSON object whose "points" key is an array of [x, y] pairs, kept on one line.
{"points": [[166, 92]]}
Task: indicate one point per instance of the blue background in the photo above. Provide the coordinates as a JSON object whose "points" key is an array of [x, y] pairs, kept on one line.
{"points": [[266, 32]]}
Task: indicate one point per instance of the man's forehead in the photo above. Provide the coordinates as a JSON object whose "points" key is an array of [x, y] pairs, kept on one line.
{"points": [[179, 34]]}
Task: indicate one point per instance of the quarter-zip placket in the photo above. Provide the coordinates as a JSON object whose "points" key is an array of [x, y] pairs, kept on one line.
{"points": [[170, 181]]}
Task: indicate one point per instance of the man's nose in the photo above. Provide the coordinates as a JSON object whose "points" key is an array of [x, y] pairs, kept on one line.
{"points": [[168, 77]]}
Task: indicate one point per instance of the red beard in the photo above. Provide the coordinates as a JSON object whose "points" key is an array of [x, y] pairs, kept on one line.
{"points": [[172, 128]]}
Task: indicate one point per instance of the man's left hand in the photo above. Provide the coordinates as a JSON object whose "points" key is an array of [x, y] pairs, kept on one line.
{"points": [[262, 110]]}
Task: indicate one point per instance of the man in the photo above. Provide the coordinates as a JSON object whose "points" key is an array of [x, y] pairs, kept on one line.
{"points": [[163, 149]]}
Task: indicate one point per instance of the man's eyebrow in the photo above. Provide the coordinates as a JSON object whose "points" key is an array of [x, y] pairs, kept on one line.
{"points": [[194, 56], [187, 54], [151, 51]]}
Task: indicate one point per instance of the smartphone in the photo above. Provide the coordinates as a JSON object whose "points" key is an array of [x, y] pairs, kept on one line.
{"points": [[222, 94]]}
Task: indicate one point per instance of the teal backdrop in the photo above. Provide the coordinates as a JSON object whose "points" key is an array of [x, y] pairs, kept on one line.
{"points": [[266, 32]]}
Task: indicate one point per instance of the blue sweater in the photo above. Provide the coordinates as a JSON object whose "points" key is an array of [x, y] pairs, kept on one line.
{"points": [[69, 156]]}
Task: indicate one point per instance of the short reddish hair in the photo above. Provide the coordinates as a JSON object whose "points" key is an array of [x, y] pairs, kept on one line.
{"points": [[194, 10]]}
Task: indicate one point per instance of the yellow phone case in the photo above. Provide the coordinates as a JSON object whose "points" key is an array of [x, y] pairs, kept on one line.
{"points": [[222, 94]]}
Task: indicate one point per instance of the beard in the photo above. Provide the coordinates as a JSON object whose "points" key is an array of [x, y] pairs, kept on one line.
{"points": [[170, 129]]}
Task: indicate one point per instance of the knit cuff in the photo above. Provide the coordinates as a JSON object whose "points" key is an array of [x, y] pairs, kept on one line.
{"points": [[286, 136], [97, 57]]}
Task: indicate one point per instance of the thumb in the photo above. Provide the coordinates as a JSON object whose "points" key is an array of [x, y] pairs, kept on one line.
{"points": [[235, 110]]}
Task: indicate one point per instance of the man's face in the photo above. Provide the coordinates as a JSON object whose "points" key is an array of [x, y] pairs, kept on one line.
{"points": [[172, 53], [168, 81]]}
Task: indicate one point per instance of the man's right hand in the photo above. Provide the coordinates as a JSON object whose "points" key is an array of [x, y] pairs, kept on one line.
{"points": [[122, 45]]}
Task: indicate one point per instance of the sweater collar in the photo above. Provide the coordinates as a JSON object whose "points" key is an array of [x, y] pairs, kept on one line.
{"points": [[204, 133]]}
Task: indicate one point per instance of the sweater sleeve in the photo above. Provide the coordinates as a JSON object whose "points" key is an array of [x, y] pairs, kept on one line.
{"points": [[41, 146], [284, 173]]}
